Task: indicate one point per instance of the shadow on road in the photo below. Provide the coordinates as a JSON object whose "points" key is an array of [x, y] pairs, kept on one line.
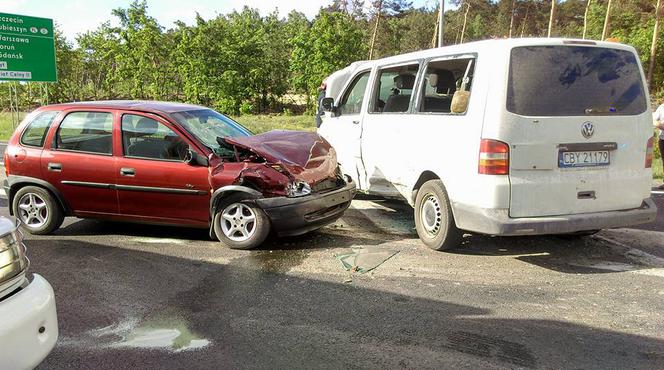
{"points": [[575, 255], [255, 318]]}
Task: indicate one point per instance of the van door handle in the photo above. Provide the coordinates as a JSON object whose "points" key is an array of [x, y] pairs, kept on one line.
{"points": [[55, 167], [127, 172], [356, 122]]}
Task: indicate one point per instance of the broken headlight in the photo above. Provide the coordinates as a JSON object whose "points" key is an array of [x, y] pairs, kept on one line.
{"points": [[298, 189]]}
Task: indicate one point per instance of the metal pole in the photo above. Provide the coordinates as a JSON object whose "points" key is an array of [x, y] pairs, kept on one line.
{"points": [[441, 22]]}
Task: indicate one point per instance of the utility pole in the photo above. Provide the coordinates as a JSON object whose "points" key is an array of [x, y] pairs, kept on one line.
{"points": [[441, 22], [659, 9]]}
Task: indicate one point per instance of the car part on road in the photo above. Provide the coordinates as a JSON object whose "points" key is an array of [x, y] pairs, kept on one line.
{"points": [[240, 223], [364, 260], [434, 220], [37, 210]]}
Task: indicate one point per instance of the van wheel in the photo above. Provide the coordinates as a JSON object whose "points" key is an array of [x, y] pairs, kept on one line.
{"points": [[433, 217], [240, 225], [38, 211]]}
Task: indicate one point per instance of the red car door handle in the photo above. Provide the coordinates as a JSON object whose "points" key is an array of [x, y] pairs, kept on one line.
{"points": [[127, 171], [55, 167]]}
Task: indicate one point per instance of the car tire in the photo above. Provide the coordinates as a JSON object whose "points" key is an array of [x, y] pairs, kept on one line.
{"points": [[434, 220], [231, 226], [38, 210]]}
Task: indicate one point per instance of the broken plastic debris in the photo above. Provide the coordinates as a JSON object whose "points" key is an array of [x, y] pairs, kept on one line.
{"points": [[363, 260]]}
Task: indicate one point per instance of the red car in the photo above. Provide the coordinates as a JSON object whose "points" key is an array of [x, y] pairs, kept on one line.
{"points": [[170, 163]]}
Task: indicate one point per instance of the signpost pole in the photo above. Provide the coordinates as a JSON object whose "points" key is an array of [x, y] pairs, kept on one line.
{"points": [[14, 103]]}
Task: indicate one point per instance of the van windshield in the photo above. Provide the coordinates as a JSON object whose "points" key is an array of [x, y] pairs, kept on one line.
{"points": [[574, 81]]}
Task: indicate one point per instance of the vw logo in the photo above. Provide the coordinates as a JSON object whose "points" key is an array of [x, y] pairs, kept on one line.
{"points": [[587, 129]]}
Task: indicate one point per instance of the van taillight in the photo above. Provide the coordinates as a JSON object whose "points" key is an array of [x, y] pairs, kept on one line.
{"points": [[649, 148], [494, 158], [6, 163]]}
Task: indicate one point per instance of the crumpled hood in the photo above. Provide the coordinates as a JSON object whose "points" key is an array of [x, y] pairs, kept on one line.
{"points": [[307, 156]]}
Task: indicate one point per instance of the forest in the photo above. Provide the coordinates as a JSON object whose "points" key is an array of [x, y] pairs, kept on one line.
{"points": [[246, 63]]}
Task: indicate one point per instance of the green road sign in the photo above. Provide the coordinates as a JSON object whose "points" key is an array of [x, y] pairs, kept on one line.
{"points": [[27, 49]]}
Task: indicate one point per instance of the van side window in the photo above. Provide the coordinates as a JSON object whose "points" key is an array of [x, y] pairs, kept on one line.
{"points": [[441, 80], [351, 103], [90, 132], [394, 90], [35, 132]]}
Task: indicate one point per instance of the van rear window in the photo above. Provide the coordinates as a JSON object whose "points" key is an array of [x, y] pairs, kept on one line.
{"points": [[574, 81]]}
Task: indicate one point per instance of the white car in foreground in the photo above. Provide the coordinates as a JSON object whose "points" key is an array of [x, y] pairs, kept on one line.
{"points": [[28, 320]]}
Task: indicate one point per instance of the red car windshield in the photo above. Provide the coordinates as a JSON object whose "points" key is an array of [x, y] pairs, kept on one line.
{"points": [[207, 125]]}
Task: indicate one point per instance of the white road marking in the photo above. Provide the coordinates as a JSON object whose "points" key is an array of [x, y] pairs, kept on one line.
{"points": [[158, 241], [657, 192]]}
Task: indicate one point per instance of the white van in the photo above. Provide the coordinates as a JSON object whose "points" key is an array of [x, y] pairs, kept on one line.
{"points": [[500, 137]]}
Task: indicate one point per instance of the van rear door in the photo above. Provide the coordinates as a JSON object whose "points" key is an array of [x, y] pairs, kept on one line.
{"points": [[578, 126]]}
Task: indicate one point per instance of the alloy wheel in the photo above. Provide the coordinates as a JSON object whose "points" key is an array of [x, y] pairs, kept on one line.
{"points": [[33, 210], [238, 222]]}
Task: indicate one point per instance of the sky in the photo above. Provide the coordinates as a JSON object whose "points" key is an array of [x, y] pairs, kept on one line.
{"points": [[77, 16]]}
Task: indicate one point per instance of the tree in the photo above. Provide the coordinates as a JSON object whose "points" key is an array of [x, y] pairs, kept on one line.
{"points": [[334, 41], [659, 8], [585, 18], [378, 6], [551, 17], [607, 21]]}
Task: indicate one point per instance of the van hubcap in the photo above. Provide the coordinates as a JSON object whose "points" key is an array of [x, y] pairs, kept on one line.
{"points": [[238, 222], [32, 210], [430, 215]]}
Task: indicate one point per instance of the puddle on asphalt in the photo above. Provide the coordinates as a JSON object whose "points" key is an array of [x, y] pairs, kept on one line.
{"points": [[276, 261], [167, 332]]}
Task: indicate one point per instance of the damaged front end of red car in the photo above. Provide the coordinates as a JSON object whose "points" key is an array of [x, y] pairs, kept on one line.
{"points": [[293, 177], [280, 163]]}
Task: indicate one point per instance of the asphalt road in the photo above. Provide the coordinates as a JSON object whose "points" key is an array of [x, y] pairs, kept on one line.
{"points": [[136, 296]]}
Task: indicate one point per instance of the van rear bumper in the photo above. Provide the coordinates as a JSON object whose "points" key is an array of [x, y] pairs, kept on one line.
{"points": [[498, 222]]}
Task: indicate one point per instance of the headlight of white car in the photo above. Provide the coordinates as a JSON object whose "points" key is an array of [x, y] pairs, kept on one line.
{"points": [[12, 255]]}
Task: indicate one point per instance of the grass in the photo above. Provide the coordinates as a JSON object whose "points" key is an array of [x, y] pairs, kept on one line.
{"points": [[264, 123], [6, 126], [657, 171]]}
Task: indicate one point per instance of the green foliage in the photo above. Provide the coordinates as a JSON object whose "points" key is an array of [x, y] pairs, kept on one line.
{"points": [[243, 62], [333, 41]]}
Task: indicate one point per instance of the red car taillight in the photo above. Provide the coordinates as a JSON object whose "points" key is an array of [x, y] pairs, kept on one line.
{"points": [[649, 148], [494, 158]]}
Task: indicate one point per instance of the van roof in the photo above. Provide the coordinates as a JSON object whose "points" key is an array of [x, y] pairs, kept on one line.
{"points": [[486, 45]]}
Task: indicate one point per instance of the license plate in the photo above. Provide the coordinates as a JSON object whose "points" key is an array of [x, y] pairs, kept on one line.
{"points": [[584, 159]]}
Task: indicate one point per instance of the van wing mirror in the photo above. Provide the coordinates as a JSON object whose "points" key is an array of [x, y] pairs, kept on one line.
{"points": [[460, 101], [192, 158], [327, 104]]}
